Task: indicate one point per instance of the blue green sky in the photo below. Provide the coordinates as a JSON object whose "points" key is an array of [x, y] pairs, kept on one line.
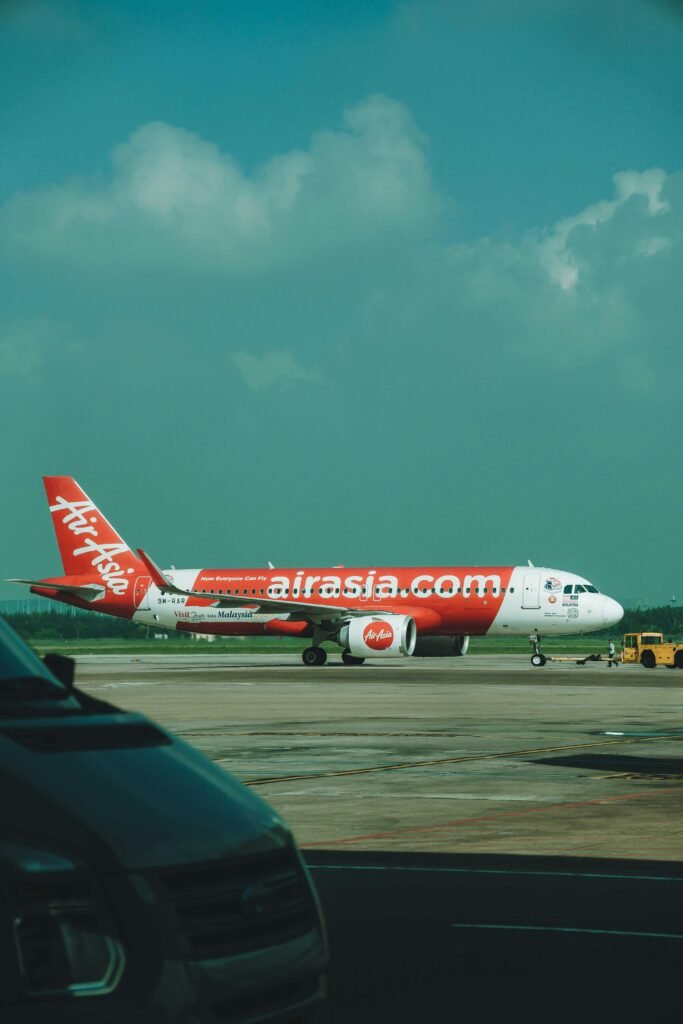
{"points": [[347, 282]]}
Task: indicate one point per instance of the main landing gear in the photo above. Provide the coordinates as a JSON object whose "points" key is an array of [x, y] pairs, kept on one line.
{"points": [[351, 659], [314, 656], [317, 656]]}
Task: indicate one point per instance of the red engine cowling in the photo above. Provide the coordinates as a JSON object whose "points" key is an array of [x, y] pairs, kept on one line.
{"points": [[379, 636]]}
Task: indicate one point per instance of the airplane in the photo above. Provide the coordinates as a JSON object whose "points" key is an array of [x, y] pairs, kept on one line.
{"points": [[370, 612]]}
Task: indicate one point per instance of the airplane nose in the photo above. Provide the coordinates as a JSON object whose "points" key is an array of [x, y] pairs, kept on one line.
{"points": [[612, 612]]}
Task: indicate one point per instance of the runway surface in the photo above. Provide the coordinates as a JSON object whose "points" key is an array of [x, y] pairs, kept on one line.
{"points": [[489, 841], [482, 754]]}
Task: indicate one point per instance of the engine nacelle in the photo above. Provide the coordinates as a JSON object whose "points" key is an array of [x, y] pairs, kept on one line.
{"points": [[374, 636], [441, 646]]}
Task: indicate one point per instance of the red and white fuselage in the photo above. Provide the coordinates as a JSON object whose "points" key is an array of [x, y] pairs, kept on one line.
{"points": [[448, 600]]}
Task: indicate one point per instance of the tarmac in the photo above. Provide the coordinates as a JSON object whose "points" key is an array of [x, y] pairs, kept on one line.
{"points": [[489, 841], [480, 754]]}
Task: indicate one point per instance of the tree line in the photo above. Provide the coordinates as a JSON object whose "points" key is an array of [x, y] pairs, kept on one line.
{"points": [[51, 625]]}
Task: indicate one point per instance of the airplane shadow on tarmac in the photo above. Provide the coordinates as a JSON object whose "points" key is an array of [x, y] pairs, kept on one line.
{"points": [[422, 937], [619, 763]]}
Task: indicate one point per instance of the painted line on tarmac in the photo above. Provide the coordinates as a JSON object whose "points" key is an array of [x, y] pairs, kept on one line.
{"points": [[575, 931], [274, 779], [468, 822], [412, 868]]}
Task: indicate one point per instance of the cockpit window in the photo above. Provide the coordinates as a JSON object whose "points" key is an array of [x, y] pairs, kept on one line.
{"points": [[591, 589], [568, 589], [578, 589]]}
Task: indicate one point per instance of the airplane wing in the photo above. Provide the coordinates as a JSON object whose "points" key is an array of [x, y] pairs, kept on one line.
{"points": [[86, 592], [299, 609]]}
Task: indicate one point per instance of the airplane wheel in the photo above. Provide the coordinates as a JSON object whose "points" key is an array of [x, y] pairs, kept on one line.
{"points": [[351, 659], [314, 656], [648, 660], [538, 660]]}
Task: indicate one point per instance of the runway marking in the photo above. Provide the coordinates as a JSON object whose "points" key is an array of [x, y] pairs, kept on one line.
{"points": [[274, 779], [576, 931], [477, 796], [495, 871], [323, 735], [464, 822]]}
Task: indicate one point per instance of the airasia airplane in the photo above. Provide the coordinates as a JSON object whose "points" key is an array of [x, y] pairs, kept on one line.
{"points": [[392, 613]]}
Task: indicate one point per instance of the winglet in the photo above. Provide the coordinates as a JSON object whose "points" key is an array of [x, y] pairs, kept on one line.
{"points": [[155, 572]]}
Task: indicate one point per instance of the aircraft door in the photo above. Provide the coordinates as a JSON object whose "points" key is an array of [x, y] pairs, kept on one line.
{"points": [[531, 597], [141, 593]]}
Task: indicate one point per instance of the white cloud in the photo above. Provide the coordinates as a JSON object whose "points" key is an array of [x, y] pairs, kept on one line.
{"points": [[556, 249], [260, 372], [174, 198], [651, 246], [190, 244]]}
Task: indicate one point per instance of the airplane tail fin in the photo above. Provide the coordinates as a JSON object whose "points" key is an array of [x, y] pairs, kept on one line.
{"points": [[88, 543]]}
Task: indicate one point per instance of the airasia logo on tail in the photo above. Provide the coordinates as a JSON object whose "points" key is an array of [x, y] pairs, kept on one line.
{"points": [[378, 636], [103, 555]]}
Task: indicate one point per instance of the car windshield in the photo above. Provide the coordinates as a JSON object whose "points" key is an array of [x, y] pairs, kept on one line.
{"points": [[22, 674]]}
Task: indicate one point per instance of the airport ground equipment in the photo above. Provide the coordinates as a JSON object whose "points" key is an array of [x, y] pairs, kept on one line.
{"points": [[651, 650], [538, 659]]}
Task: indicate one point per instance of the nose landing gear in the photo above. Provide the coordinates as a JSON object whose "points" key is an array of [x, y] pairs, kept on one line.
{"points": [[538, 659]]}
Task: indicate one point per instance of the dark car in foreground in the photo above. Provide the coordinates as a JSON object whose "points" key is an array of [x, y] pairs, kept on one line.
{"points": [[138, 881]]}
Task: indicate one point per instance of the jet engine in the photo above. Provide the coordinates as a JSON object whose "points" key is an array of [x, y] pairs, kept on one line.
{"points": [[441, 646], [373, 636]]}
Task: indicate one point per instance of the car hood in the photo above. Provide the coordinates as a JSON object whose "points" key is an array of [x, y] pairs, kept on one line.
{"points": [[121, 791]]}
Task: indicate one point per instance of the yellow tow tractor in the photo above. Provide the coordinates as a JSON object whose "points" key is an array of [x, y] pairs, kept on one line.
{"points": [[651, 650]]}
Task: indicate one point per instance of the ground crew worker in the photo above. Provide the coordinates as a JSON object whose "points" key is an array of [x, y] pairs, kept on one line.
{"points": [[612, 655], [534, 640]]}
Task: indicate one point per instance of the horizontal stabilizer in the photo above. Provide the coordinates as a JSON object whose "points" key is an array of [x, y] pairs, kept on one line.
{"points": [[87, 592]]}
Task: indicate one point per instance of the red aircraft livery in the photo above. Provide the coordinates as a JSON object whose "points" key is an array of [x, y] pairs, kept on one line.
{"points": [[369, 612]]}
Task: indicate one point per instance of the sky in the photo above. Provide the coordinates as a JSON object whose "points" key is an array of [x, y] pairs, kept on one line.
{"points": [[361, 283]]}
